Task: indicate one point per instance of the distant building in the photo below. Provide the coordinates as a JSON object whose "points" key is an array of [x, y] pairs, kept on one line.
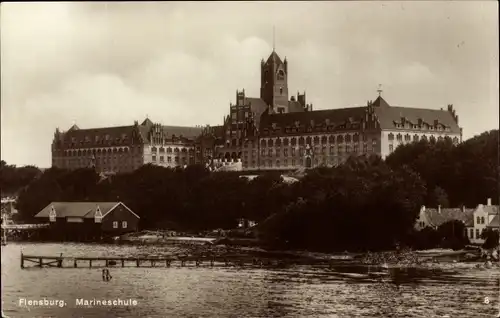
{"points": [[433, 218], [485, 216], [89, 220], [126, 148], [275, 131]]}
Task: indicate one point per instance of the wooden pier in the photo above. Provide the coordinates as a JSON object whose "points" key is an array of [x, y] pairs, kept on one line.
{"points": [[101, 262]]}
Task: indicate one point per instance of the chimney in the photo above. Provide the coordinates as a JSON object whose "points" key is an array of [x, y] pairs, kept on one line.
{"points": [[439, 209], [489, 202], [463, 208], [423, 208]]}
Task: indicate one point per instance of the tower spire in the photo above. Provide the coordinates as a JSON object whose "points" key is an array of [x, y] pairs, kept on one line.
{"points": [[274, 38]]}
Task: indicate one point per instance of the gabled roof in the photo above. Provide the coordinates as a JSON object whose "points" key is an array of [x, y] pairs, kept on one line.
{"points": [[147, 122], [335, 116], [436, 217], [79, 209], [495, 222], [380, 102], [390, 115]]}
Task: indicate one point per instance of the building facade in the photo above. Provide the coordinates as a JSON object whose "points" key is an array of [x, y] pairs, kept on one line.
{"points": [[485, 216], [271, 132], [126, 148]]}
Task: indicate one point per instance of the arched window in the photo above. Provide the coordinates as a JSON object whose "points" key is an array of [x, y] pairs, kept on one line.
{"points": [[391, 136], [281, 75]]}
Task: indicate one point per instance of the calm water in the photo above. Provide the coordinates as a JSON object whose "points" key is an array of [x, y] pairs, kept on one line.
{"points": [[236, 292]]}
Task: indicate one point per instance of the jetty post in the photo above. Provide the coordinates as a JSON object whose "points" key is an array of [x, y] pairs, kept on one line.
{"points": [[22, 260]]}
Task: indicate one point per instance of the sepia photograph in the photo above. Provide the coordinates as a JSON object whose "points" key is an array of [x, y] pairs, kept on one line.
{"points": [[251, 159]]}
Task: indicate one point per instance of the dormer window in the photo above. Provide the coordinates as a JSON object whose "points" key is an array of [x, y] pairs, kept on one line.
{"points": [[98, 215], [52, 214]]}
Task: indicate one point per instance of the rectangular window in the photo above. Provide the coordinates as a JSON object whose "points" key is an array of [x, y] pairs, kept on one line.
{"points": [[162, 159], [332, 150], [478, 220], [285, 162], [477, 234], [471, 235], [365, 148], [391, 148], [293, 151], [285, 152], [124, 224], [115, 224], [153, 158], [270, 152], [293, 162]]}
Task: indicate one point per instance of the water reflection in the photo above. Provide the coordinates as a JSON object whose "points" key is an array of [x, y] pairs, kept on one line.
{"points": [[294, 291]]}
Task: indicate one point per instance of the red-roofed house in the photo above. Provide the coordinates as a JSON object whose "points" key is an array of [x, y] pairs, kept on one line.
{"points": [[89, 220]]}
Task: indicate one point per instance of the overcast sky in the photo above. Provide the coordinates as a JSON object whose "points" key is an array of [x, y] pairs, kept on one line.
{"points": [[100, 64]]}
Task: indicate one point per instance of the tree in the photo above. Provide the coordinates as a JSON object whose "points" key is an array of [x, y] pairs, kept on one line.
{"points": [[491, 238], [13, 179], [452, 235]]}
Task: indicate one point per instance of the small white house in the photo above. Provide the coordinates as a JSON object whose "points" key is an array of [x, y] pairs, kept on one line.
{"points": [[484, 216]]}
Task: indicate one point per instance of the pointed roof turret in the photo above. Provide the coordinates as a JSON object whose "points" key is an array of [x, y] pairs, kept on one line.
{"points": [[147, 122], [274, 58], [380, 102]]}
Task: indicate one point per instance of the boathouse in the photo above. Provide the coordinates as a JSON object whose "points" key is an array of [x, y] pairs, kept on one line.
{"points": [[88, 220]]}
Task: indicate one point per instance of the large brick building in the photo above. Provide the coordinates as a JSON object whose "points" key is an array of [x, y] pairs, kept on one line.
{"points": [[274, 131], [126, 148]]}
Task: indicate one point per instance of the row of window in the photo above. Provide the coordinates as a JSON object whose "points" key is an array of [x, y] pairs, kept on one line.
{"points": [[169, 150], [316, 150], [478, 234], [83, 152], [124, 224], [314, 140], [480, 220], [169, 159], [407, 137]]}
